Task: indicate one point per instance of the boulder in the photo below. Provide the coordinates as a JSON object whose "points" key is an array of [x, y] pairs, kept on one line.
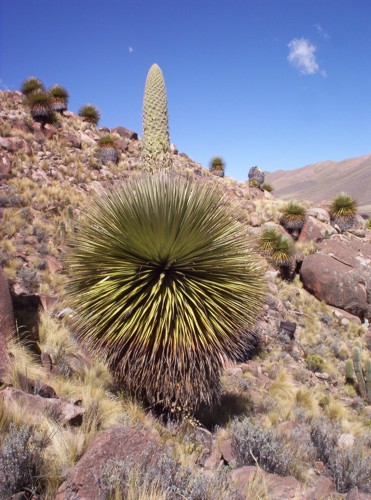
{"points": [[319, 213], [315, 230], [339, 274], [116, 443], [7, 324], [278, 487], [125, 133], [38, 406]]}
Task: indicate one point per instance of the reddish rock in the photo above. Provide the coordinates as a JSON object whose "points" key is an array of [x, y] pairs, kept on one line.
{"points": [[49, 131], [315, 230], [70, 140], [53, 264], [225, 448], [355, 494], [48, 302], [5, 164], [7, 324], [340, 274], [38, 406], [116, 443], [125, 133], [341, 314], [322, 489], [278, 487]]}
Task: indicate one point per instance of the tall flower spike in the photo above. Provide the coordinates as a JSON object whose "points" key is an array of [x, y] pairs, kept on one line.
{"points": [[156, 153]]}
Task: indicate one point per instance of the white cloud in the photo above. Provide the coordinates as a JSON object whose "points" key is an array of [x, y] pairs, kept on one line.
{"points": [[130, 49], [322, 32], [302, 56]]}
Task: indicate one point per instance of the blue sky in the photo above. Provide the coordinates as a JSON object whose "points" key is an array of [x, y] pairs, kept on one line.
{"points": [[274, 83]]}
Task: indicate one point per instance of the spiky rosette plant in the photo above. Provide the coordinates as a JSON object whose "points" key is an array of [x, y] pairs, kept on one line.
{"points": [[59, 98], [40, 104], [283, 251], [30, 85], [156, 152], [343, 210], [217, 166], [107, 149], [293, 216], [267, 240], [165, 287], [90, 113]]}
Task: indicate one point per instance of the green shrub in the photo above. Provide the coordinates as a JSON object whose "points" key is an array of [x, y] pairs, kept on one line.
{"points": [[40, 104], [165, 287], [90, 113], [217, 166], [107, 149], [267, 240], [59, 98], [267, 187], [315, 362], [293, 216], [283, 251], [343, 209], [30, 85]]}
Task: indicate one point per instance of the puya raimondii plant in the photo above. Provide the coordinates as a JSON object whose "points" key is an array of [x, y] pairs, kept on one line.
{"points": [[156, 152], [165, 287], [343, 210]]}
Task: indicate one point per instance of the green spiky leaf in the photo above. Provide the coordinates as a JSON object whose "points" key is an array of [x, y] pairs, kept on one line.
{"points": [[165, 287], [90, 113]]}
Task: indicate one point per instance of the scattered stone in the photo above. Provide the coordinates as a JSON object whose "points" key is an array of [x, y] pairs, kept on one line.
{"points": [[346, 440], [322, 375], [37, 405], [116, 443], [315, 230]]}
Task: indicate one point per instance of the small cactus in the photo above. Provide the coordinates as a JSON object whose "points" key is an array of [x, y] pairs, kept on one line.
{"points": [[90, 113], [62, 230], [40, 104], [349, 372], [343, 211], [363, 380]]}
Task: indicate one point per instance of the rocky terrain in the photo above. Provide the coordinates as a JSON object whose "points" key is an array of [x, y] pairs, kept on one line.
{"points": [[292, 422], [321, 181]]}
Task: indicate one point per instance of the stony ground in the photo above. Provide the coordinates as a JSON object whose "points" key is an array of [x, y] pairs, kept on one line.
{"points": [[303, 430]]}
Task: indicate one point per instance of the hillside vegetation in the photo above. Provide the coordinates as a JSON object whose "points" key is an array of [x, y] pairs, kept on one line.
{"points": [[265, 390]]}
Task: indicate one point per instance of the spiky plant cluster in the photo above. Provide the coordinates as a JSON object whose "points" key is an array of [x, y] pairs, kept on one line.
{"points": [[31, 85], [257, 175], [107, 149], [165, 287], [90, 113], [217, 166], [40, 104], [293, 216], [283, 252], [267, 187], [156, 152], [267, 240], [59, 98], [343, 210]]}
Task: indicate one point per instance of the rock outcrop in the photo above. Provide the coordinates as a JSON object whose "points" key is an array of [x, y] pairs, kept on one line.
{"points": [[339, 274]]}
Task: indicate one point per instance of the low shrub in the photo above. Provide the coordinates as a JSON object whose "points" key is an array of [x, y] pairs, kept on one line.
{"points": [[274, 451], [21, 461]]}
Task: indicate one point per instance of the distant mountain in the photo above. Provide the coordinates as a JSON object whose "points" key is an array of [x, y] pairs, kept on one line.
{"points": [[321, 181]]}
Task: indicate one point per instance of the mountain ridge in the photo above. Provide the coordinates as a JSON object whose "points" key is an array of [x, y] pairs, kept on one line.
{"points": [[322, 180]]}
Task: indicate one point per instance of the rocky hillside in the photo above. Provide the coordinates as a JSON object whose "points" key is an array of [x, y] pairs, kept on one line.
{"points": [[321, 181], [294, 419]]}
